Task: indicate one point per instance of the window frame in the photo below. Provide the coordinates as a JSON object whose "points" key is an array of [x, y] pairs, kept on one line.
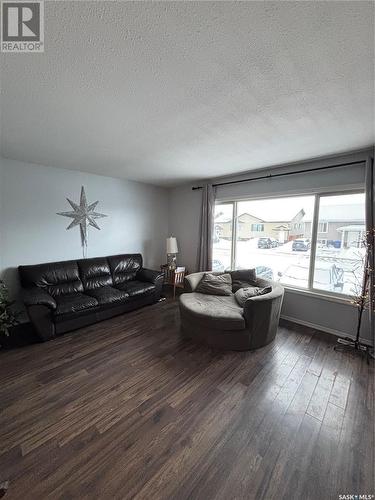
{"points": [[234, 207], [314, 236], [310, 289]]}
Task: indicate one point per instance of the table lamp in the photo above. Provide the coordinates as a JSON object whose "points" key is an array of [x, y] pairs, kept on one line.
{"points": [[172, 250]]}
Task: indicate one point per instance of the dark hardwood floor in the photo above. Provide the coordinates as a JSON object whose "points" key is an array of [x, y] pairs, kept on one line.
{"points": [[127, 409]]}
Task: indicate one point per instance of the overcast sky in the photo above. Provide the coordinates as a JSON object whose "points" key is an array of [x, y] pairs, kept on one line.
{"points": [[286, 208]]}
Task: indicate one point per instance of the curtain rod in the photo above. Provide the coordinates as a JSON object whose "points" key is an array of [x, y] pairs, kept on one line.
{"points": [[270, 176]]}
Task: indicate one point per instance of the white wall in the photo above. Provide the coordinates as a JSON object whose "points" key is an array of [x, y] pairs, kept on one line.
{"points": [[184, 213], [184, 209], [140, 218], [31, 232]]}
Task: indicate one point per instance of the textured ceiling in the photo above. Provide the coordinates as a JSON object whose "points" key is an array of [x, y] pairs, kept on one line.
{"points": [[165, 92]]}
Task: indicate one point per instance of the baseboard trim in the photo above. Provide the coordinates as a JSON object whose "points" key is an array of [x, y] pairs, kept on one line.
{"points": [[331, 331]]}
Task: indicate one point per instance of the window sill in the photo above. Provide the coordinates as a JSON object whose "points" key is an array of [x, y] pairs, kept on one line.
{"points": [[320, 295]]}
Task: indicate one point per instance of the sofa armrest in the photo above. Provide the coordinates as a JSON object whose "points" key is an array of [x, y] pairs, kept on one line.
{"points": [[150, 276], [262, 314], [277, 292], [38, 297]]}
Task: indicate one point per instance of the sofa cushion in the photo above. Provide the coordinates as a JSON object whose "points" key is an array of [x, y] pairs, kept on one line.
{"points": [[95, 273], [215, 284], [252, 291], [74, 302], [243, 278], [57, 278], [213, 311], [134, 288], [125, 267], [108, 295]]}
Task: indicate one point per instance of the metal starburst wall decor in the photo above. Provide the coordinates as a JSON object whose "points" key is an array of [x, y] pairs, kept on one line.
{"points": [[83, 215]]}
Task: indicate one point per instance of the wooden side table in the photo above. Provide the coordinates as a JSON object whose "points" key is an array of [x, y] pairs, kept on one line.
{"points": [[174, 277]]}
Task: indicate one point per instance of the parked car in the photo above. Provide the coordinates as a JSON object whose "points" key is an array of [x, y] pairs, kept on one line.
{"points": [[301, 245], [327, 276], [267, 243], [261, 272], [264, 272], [217, 266]]}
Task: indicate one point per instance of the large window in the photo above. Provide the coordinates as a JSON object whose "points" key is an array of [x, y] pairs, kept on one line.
{"points": [[281, 238], [339, 258]]}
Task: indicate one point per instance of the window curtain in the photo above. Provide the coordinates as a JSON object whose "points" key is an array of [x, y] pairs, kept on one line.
{"points": [[206, 228], [370, 232]]}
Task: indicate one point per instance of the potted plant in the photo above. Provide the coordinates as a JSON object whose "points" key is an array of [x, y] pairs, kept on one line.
{"points": [[8, 317]]}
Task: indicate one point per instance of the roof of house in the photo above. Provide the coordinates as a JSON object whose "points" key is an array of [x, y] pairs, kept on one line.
{"points": [[285, 214], [281, 216], [353, 227]]}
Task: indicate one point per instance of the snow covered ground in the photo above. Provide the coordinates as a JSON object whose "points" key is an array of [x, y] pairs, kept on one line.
{"points": [[293, 266]]}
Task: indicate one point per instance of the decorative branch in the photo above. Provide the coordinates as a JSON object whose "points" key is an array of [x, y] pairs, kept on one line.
{"points": [[361, 288]]}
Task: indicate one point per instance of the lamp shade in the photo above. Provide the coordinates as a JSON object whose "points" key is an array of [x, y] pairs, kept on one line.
{"points": [[172, 245]]}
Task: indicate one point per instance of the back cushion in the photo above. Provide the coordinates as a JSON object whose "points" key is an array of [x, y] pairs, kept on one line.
{"points": [[215, 284], [95, 273], [57, 278], [243, 278], [125, 267]]}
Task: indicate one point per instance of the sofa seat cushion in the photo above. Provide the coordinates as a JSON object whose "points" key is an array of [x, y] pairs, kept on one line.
{"points": [[213, 311], [134, 287], [74, 302], [108, 295]]}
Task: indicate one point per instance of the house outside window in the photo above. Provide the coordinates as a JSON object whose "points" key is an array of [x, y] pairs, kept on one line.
{"points": [[312, 242]]}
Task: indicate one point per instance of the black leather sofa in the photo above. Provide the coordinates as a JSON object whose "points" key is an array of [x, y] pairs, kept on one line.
{"points": [[62, 296]]}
